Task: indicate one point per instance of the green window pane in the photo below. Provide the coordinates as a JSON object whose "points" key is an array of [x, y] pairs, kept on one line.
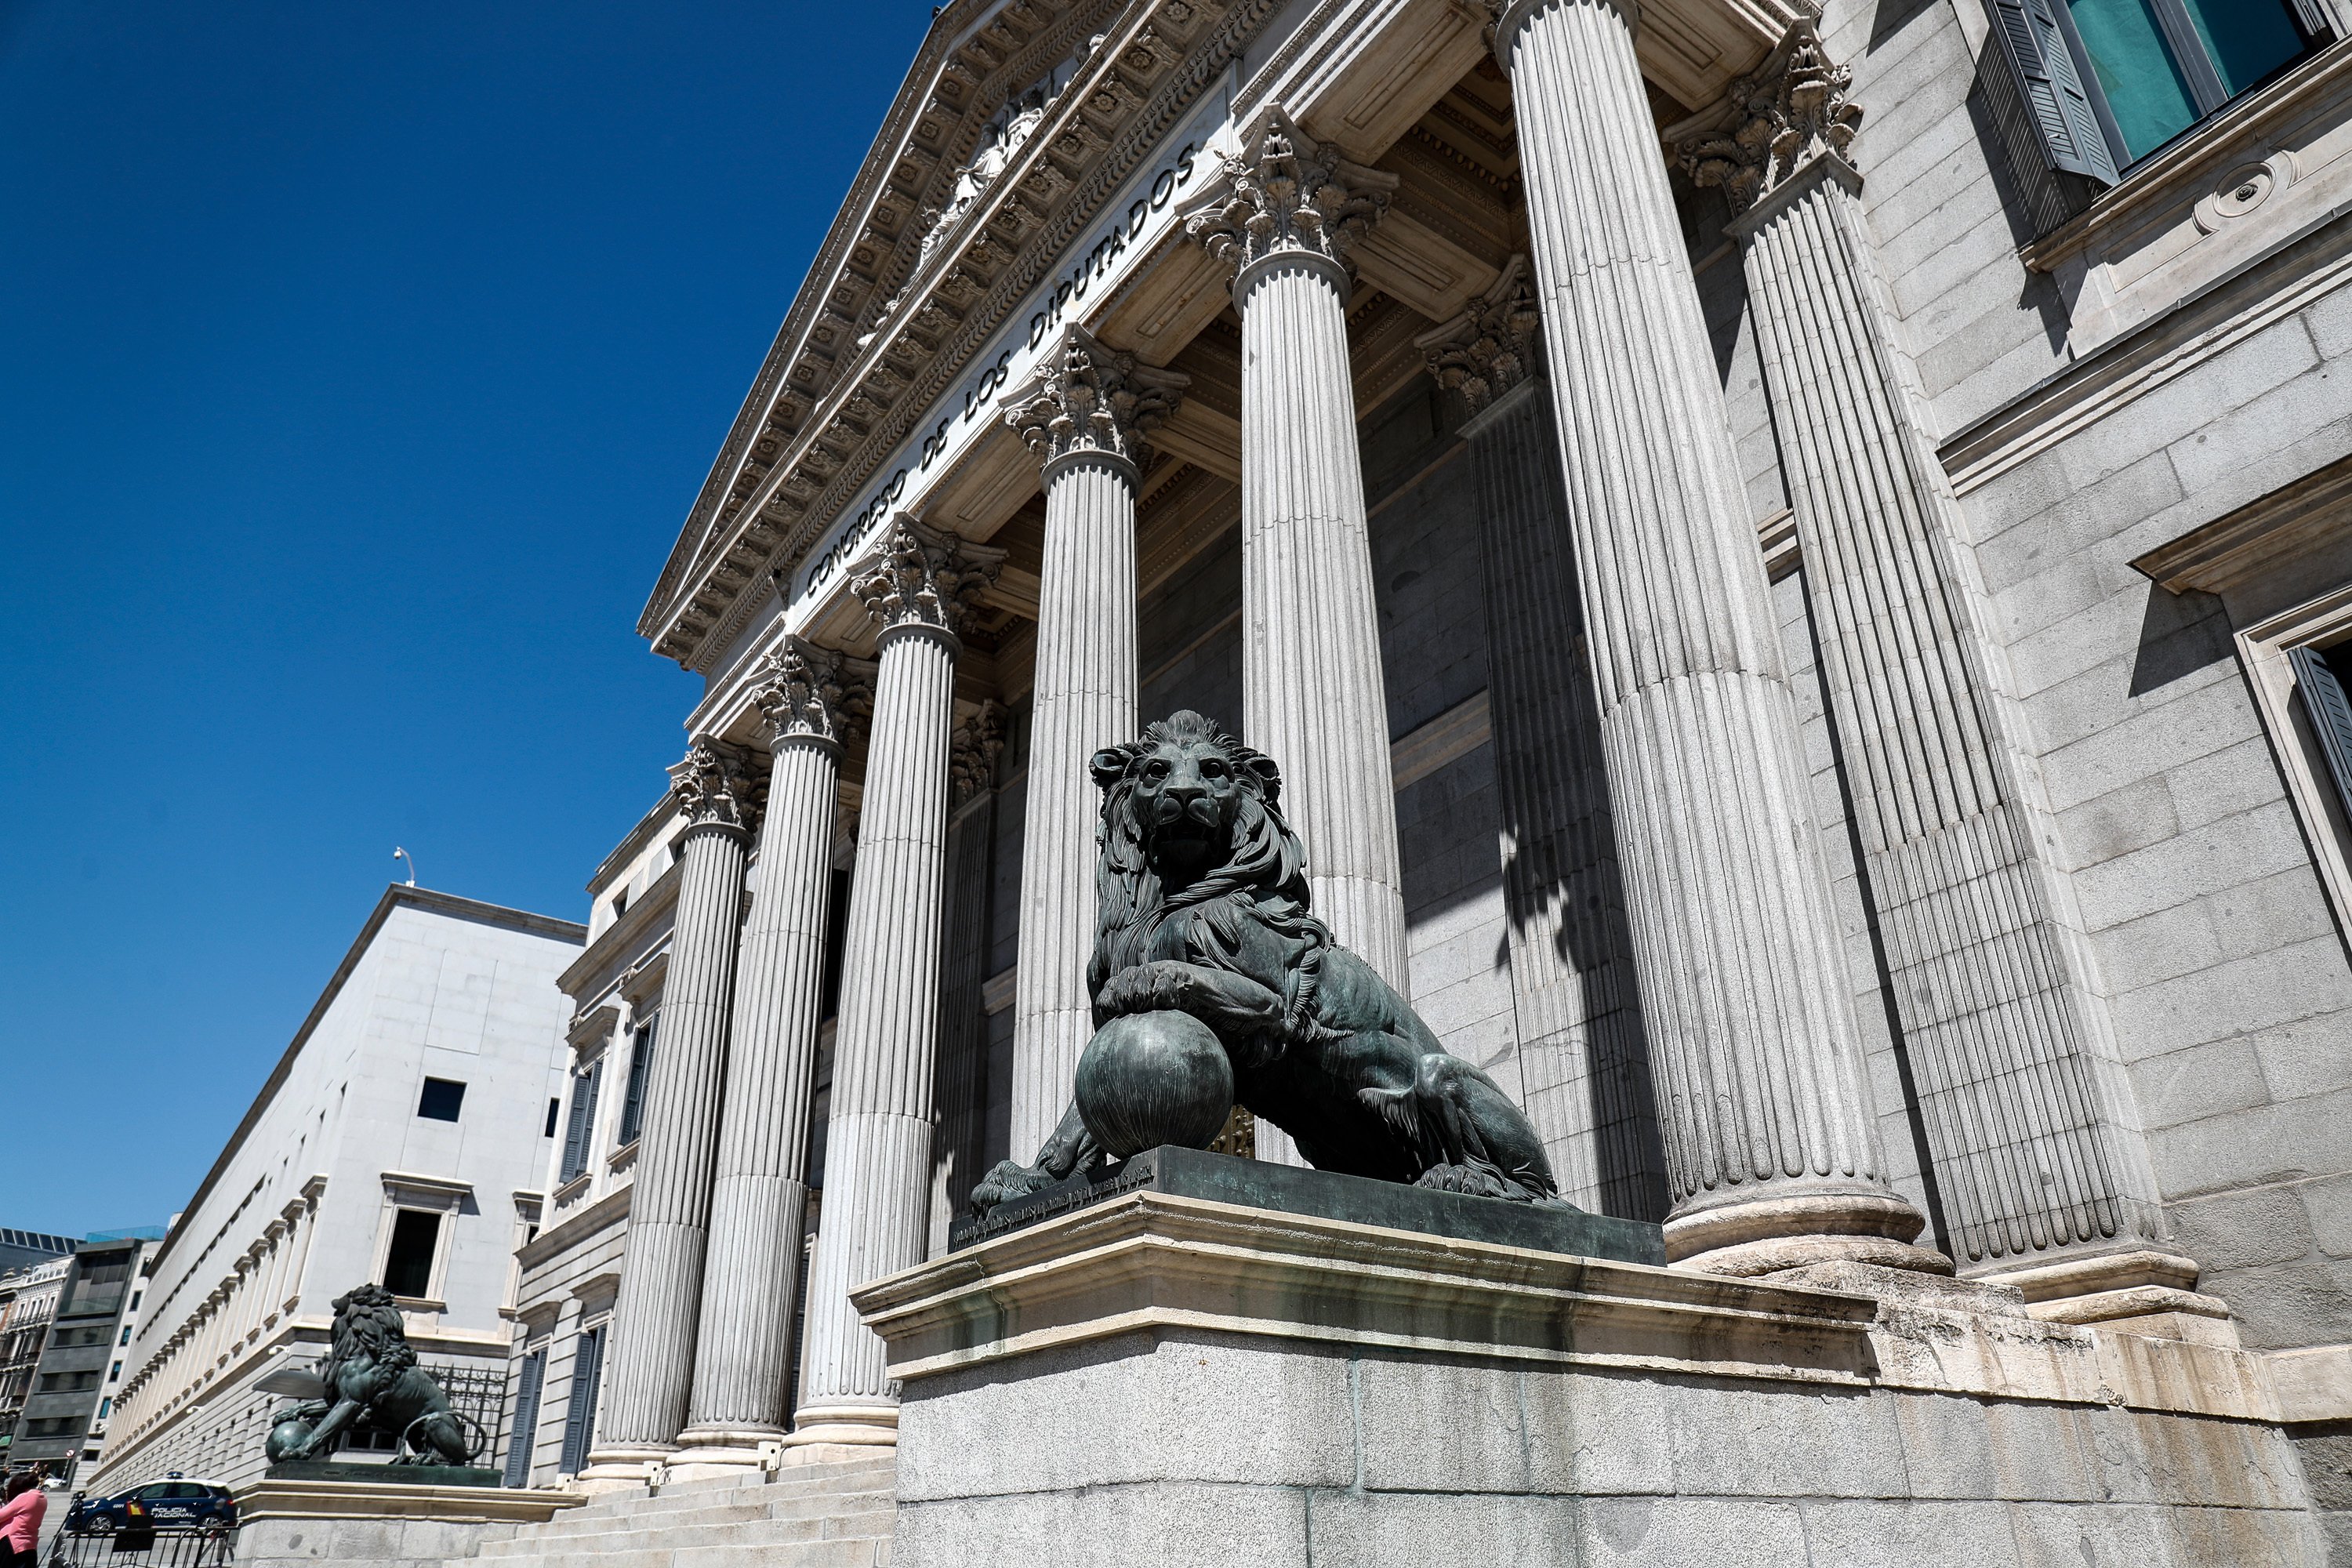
{"points": [[2144, 86], [2248, 39]]}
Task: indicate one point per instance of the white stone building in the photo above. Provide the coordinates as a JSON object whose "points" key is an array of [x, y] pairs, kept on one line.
{"points": [[28, 1300], [1796, 568], [401, 1139]]}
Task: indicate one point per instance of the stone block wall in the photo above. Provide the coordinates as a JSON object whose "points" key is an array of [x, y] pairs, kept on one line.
{"points": [[1231, 1447]]}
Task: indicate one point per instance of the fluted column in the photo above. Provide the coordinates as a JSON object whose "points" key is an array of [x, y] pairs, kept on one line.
{"points": [[1084, 416], [916, 586], [807, 697], [1283, 216], [650, 1369], [1584, 1067], [1997, 1026], [1771, 1153], [960, 1098]]}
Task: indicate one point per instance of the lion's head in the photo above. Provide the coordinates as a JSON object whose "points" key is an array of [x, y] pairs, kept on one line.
{"points": [[368, 1322], [1189, 814]]}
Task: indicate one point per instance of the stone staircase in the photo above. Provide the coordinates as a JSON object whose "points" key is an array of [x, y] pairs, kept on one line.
{"points": [[803, 1516]]}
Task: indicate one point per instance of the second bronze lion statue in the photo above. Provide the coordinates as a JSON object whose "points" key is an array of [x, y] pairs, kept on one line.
{"points": [[1204, 912]]}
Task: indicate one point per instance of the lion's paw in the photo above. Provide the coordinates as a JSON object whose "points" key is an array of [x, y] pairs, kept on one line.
{"points": [[1008, 1183]]}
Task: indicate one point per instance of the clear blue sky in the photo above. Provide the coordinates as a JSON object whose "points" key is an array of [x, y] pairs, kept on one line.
{"points": [[358, 366]]}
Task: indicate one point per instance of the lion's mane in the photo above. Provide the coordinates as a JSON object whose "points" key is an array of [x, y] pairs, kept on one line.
{"points": [[1261, 876], [367, 1322]]}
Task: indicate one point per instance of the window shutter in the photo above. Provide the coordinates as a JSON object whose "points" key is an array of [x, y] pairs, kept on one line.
{"points": [[2313, 15], [2330, 712], [575, 1129], [2032, 37], [584, 1119], [580, 1413], [633, 1109], [526, 1420]]}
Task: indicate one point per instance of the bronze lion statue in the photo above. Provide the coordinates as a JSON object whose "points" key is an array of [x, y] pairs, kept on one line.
{"points": [[372, 1374], [1205, 921]]}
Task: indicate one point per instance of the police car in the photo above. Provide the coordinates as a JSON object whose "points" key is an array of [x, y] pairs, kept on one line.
{"points": [[173, 1503]]}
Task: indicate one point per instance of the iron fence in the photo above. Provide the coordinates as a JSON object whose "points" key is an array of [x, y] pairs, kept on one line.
{"points": [[212, 1548]]}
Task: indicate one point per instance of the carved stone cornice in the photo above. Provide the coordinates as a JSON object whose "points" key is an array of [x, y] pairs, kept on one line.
{"points": [[1493, 345], [973, 751], [1792, 109], [812, 694], [716, 785], [1088, 399], [1285, 194], [779, 483], [918, 580]]}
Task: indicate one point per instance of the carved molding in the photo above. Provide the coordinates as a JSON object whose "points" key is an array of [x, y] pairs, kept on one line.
{"points": [[1790, 109], [1492, 346], [915, 578], [1089, 398], [811, 693], [1156, 62], [716, 785], [1285, 194], [973, 752]]}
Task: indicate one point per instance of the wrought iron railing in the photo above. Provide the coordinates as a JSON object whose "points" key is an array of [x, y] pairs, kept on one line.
{"points": [[210, 1548]]}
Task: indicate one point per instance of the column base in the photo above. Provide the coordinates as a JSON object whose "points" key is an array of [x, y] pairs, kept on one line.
{"points": [[2141, 1291], [1768, 1234], [621, 1465], [825, 1432], [716, 1449]]}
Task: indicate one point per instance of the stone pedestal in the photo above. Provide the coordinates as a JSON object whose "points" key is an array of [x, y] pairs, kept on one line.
{"points": [[1169, 1380], [287, 1523]]}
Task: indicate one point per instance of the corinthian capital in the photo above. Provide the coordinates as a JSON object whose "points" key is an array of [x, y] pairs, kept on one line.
{"points": [[1285, 194], [973, 751], [811, 693], [716, 785], [916, 578], [1089, 398], [1792, 109], [1490, 347]]}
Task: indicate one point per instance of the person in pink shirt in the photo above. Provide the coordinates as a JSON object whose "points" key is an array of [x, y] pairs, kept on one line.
{"points": [[22, 1504]]}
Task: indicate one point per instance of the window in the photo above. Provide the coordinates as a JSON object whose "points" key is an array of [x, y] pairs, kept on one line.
{"points": [[408, 1267], [2155, 67], [554, 1110], [134, 1304], [526, 1420], [583, 1118], [632, 1104], [580, 1413], [620, 904], [105, 1406], [115, 1374], [126, 1333], [440, 1101], [2323, 677]]}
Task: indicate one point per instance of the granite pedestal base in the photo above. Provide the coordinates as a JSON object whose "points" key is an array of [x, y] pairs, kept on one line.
{"points": [[1167, 1380], [285, 1520]]}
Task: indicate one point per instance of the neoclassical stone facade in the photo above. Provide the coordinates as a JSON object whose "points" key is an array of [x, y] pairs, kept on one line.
{"points": [[1793, 597]]}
